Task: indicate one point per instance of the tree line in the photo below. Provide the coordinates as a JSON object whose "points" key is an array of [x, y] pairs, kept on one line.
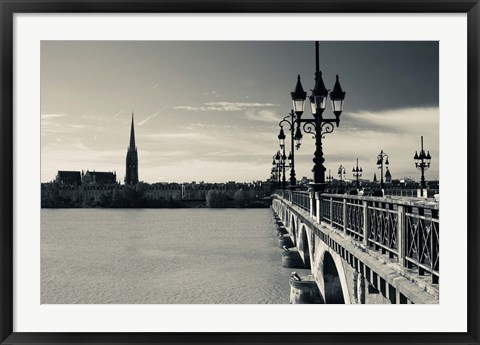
{"points": [[134, 197]]}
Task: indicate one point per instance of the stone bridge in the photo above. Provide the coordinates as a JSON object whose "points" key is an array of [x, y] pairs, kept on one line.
{"points": [[359, 249]]}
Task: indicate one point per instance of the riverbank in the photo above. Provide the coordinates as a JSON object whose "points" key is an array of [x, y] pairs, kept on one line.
{"points": [[159, 204]]}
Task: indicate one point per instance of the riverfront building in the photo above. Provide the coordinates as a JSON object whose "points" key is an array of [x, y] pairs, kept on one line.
{"points": [[90, 178], [68, 178]]}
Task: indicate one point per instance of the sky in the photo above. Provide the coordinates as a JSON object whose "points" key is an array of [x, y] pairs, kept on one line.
{"points": [[209, 110]]}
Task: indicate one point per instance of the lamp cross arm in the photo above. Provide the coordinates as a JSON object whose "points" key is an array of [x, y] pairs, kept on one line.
{"points": [[286, 121], [322, 120]]}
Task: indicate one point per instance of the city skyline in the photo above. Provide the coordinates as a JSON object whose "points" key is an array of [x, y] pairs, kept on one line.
{"points": [[209, 111]]}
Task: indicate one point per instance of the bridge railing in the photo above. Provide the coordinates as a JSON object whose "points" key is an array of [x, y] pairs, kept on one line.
{"points": [[284, 193], [405, 230], [401, 192], [422, 235], [301, 199], [430, 193]]}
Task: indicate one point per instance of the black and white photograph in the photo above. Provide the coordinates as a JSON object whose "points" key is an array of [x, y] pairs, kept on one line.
{"points": [[239, 172]]}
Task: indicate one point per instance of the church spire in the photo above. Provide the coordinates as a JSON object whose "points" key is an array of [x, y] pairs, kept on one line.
{"points": [[132, 135], [131, 173]]}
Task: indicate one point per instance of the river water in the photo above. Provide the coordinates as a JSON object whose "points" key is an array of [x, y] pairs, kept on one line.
{"points": [[161, 256]]}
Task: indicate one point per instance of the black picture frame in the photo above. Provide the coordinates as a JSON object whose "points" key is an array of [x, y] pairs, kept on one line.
{"points": [[9, 7]]}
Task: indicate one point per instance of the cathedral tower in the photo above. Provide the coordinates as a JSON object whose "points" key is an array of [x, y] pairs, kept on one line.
{"points": [[131, 173]]}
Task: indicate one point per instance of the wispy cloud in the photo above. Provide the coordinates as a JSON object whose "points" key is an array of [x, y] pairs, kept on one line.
{"points": [[51, 116], [90, 117], [264, 115], [392, 121], [225, 106], [213, 93], [188, 108], [79, 146], [155, 114], [175, 135], [197, 125], [118, 114], [50, 124], [50, 127]]}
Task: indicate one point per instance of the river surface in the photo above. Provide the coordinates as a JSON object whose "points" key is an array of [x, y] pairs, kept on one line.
{"points": [[161, 256]]}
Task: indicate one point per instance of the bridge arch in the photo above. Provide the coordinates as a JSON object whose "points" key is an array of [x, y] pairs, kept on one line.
{"points": [[303, 246], [293, 228], [329, 271], [332, 282]]}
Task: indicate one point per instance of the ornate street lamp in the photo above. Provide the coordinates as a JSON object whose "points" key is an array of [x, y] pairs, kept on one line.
{"points": [[298, 98], [281, 138], [283, 164], [357, 172], [341, 173], [422, 162], [279, 165], [318, 126], [276, 167], [273, 176], [329, 178], [382, 159], [277, 157], [298, 138]]}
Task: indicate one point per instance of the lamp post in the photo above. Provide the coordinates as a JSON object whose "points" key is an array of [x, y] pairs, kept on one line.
{"points": [[422, 162], [329, 178], [282, 165], [275, 168], [279, 166], [281, 138], [341, 174], [357, 172], [318, 126], [273, 178], [382, 159]]}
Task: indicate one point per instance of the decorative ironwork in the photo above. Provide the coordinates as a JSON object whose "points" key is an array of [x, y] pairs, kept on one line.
{"points": [[327, 127], [383, 228], [337, 216], [355, 219], [325, 209], [422, 241], [310, 128]]}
